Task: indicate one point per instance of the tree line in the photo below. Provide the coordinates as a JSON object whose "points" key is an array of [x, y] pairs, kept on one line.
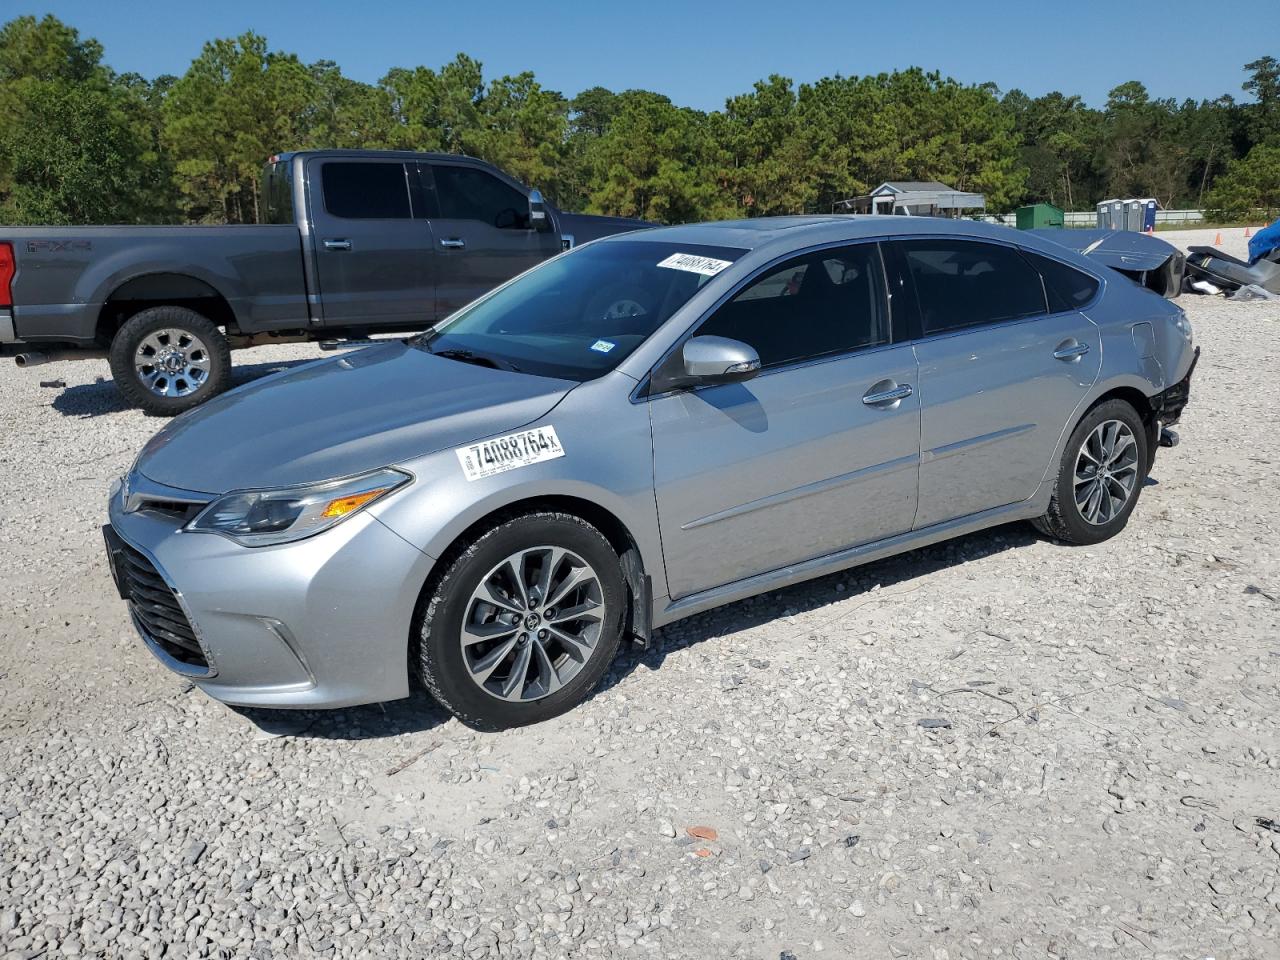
{"points": [[80, 143]]}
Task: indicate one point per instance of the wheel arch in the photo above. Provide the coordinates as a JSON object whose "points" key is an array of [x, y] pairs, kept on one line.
{"points": [[615, 530], [161, 288]]}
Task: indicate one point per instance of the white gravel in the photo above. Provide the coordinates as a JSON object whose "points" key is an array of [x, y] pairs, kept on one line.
{"points": [[997, 747]]}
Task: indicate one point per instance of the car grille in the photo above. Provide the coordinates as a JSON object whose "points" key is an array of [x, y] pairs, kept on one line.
{"points": [[157, 608]]}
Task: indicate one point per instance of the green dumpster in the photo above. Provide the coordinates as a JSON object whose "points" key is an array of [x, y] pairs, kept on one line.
{"points": [[1037, 216]]}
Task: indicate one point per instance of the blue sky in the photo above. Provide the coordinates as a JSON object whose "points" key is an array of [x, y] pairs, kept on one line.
{"points": [[698, 53]]}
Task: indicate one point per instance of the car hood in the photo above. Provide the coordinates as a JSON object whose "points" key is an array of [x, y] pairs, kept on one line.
{"points": [[378, 406]]}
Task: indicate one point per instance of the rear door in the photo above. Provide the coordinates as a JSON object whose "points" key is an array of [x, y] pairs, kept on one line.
{"points": [[373, 257], [482, 232], [817, 453], [1001, 372]]}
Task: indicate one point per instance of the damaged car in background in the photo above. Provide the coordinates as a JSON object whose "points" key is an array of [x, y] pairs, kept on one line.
{"points": [[643, 428]]}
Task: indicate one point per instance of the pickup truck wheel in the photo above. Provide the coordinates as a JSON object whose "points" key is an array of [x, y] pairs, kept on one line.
{"points": [[169, 359], [1100, 477], [524, 621]]}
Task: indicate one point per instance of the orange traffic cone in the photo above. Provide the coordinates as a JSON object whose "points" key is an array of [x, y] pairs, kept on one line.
{"points": [[1150, 231], [1217, 241], [1248, 232]]}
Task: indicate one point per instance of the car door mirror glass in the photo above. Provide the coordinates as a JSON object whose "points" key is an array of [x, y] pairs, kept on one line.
{"points": [[704, 361]]}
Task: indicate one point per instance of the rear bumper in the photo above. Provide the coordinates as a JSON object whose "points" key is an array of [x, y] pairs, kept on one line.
{"points": [[323, 622], [1169, 404], [7, 332]]}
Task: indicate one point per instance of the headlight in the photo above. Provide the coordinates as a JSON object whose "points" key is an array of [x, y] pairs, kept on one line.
{"points": [[257, 518]]}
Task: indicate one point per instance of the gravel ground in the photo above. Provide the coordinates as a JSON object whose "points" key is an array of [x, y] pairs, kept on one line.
{"points": [[997, 747]]}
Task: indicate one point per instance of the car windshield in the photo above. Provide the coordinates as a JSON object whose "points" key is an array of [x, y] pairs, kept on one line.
{"points": [[578, 316]]}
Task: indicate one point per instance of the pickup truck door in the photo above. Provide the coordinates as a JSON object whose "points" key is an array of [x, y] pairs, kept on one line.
{"points": [[481, 231], [373, 257]]}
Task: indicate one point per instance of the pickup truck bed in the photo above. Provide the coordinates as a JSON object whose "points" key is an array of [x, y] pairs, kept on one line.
{"points": [[69, 279]]}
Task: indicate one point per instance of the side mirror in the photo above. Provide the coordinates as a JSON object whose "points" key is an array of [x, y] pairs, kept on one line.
{"points": [[539, 219], [704, 361]]}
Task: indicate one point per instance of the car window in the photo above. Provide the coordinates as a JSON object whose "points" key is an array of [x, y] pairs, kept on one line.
{"points": [[1066, 287], [816, 305], [465, 193], [365, 191], [579, 315], [966, 283]]}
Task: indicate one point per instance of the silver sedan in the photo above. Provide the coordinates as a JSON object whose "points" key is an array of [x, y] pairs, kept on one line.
{"points": [[646, 427]]}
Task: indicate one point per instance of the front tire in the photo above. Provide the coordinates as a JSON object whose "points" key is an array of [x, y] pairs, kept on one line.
{"points": [[169, 359], [524, 622], [1100, 478]]}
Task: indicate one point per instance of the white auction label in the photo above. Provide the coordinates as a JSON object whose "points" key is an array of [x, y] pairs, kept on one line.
{"points": [[707, 266], [491, 457]]}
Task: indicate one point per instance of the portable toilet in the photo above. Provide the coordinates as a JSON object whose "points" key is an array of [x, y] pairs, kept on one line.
{"points": [[1111, 215], [1133, 215], [1149, 207], [1038, 216]]}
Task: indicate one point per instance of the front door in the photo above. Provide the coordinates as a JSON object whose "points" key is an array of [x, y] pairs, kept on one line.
{"points": [[1000, 376], [817, 453], [373, 258], [482, 232]]}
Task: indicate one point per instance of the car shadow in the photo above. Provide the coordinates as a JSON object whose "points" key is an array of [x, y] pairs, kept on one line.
{"points": [[419, 712], [101, 397], [816, 594], [416, 713]]}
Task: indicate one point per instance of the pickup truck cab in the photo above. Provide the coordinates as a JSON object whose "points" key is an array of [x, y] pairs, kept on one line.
{"points": [[353, 242]]}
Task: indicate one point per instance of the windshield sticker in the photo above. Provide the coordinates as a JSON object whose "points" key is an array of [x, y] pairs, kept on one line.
{"points": [[707, 266], [603, 346], [492, 457]]}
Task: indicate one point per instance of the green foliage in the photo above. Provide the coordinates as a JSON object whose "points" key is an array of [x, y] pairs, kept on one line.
{"points": [[77, 143], [80, 144], [1249, 185]]}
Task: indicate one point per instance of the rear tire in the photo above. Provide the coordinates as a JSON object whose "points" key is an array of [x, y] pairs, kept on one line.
{"points": [[169, 359], [527, 656], [1100, 477]]}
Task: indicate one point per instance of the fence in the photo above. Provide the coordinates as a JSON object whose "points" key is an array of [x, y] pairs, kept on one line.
{"points": [[1088, 219]]}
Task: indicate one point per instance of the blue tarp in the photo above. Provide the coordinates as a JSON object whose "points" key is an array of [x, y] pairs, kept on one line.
{"points": [[1263, 242]]}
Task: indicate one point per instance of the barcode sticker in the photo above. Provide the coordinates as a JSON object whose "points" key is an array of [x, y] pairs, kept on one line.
{"points": [[691, 262], [491, 457]]}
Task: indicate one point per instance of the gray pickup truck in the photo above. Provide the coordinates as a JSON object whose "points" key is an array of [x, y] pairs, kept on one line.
{"points": [[354, 242]]}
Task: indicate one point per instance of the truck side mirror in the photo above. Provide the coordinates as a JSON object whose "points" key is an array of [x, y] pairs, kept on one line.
{"points": [[538, 217]]}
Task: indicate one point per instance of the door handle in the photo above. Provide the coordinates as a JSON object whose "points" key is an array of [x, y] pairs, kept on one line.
{"points": [[900, 392], [337, 244], [1070, 350], [453, 243]]}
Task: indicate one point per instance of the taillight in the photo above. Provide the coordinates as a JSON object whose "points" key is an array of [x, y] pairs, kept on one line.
{"points": [[7, 269]]}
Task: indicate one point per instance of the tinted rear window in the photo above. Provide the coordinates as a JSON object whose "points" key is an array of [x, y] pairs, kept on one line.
{"points": [[1066, 287], [365, 191], [967, 283]]}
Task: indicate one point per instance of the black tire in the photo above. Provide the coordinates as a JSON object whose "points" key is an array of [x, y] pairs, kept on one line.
{"points": [[447, 598], [129, 339], [1064, 519]]}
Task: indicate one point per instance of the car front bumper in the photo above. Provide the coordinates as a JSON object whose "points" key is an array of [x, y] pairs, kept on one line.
{"points": [[323, 622]]}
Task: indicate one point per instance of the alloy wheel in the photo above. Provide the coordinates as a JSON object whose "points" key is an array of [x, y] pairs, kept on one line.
{"points": [[1106, 473], [172, 363], [532, 624]]}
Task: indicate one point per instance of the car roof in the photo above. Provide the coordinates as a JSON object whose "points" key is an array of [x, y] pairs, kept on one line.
{"points": [[801, 231], [361, 154]]}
